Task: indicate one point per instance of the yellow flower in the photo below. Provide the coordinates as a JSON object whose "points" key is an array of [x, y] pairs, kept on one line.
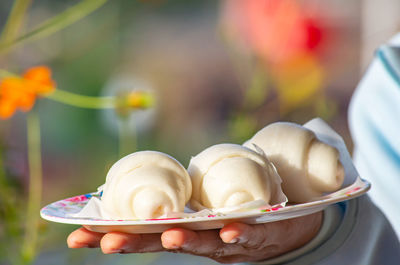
{"points": [[298, 80], [139, 99], [21, 92]]}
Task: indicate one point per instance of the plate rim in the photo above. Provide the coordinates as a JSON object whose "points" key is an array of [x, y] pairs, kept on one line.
{"points": [[366, 185]]}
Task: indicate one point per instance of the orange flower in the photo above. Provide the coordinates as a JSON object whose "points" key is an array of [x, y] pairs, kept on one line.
{"points": [[21, 92]]}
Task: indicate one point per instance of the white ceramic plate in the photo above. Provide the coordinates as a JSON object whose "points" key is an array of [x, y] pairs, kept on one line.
{"points": [[62, 210]]}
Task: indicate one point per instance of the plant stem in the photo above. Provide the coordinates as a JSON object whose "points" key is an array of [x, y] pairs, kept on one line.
{"points": [[76, 100], [5, 73], [257, 90], [126, 138], [82, 101], [28, 249], [56, 23], [14, 20]]}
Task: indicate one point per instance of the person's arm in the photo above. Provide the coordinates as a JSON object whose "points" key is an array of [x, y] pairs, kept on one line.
{"points": [[235, 242], [363, 237]]}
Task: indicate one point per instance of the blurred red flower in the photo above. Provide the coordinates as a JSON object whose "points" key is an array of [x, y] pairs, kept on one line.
{"points": [[285, 35], [275, 30]]}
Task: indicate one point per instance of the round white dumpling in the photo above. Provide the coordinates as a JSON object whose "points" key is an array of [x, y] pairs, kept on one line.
{"points": [[146, 184], [228, 175], [308, 167]]}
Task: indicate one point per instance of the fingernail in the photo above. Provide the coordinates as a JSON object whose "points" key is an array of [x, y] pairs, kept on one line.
{"points": [[115, 251], [234, 240], [241, 239], [174, 247], [82, 246]]}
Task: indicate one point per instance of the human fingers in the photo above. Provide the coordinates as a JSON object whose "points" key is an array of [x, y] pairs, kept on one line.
{"points": [[272, 239], [83, 238], [201, 243], [117, 242], [249, 236]]}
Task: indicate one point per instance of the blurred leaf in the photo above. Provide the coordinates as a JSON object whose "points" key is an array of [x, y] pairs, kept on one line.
{"points": [[258, 91], [10, 214], [325, 108], [242, 127], [56, 23], [14, 20]]}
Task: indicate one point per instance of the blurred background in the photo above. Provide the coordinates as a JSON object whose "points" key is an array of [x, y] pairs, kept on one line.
{"points": [[219, 71]]}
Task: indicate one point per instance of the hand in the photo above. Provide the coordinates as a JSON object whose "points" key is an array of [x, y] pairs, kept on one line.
{"points": [[236, 242]]}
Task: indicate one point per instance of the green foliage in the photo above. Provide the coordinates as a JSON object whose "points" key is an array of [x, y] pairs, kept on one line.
{"points": [[52, 25], [11, 214], [19, 221], [242, 127]]}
